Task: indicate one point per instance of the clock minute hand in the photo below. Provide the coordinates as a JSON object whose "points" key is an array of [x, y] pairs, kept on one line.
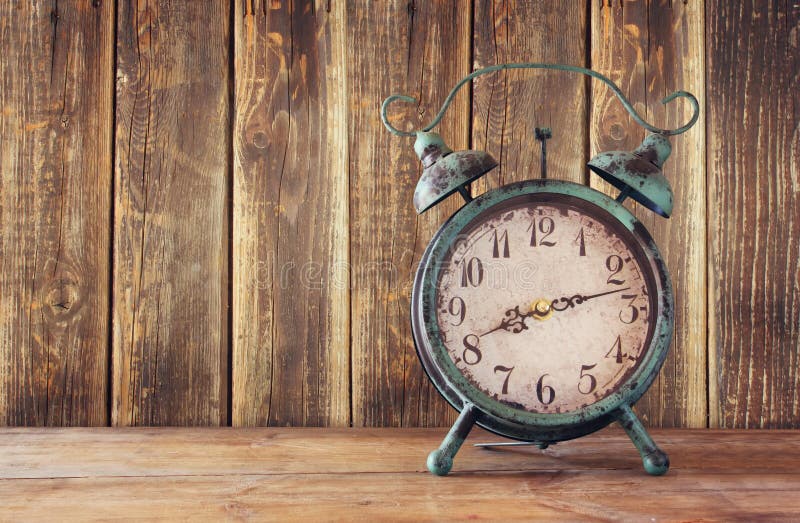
{"points": [[577, 299]]}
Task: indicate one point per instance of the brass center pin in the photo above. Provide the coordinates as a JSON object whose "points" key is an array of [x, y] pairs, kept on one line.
{"points": [[542, 309]]}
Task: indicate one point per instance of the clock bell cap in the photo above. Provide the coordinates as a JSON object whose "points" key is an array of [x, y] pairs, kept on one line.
{"points": [[639, 173], [445, 171]]}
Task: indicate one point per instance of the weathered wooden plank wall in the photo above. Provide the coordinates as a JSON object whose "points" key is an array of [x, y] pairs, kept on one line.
{"points": [[259, 216], [170, 291], [290, 241], [753, 126], [56, 94]]}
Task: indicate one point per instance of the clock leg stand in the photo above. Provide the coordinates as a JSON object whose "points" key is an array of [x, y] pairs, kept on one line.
{"points": [[655, 461], [440, 461]]}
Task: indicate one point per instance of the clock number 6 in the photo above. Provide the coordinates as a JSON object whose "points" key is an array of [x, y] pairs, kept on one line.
{"points": [[542, 389], [471, 347], [592, 379], [505, 382]]}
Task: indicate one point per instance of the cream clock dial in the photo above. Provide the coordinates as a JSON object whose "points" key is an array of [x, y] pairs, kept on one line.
{"points": [[545, 306]]}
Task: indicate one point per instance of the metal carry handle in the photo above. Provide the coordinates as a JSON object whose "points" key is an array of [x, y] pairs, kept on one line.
{"points": [[559, 67]]}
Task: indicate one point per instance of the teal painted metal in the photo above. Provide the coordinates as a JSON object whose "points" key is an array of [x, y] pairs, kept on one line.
{"points": [[440, 461], [638, 174], [490, 413], [445, 172], [654, 459], [557, 67]]}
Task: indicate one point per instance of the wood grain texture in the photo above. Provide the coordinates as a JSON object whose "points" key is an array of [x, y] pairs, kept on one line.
{"points": [[167, 451], [650, 49], [507, 106], [753, 57], [379, 474], [264, 241], [170, 296], [421, 49], [56, 92], [291, 333]]}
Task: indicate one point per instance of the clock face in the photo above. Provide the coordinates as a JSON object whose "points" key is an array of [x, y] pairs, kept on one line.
{"points": [[546, 303]]}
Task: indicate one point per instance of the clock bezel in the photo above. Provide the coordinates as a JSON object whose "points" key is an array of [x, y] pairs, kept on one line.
{"points": [[495, 415]]}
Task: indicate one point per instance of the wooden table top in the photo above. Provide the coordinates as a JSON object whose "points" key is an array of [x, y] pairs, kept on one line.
{"points": [[379, 474]]}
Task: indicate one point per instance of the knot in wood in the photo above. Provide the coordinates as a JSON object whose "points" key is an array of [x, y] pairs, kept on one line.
{"points": [[62, 299]]}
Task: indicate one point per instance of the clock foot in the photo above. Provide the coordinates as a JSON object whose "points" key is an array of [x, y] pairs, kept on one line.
{"points": [[655, 460], [440, 461]]}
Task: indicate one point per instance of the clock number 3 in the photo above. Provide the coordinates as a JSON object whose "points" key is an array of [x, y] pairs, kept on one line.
{"points": [[634, 312]]}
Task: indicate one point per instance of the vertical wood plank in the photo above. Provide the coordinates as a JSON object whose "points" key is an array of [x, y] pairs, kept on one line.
{"points": [[56, 73], [170, 296], [753, 54], [290, 217], [651, 48], [509, 105], [421, 49]]}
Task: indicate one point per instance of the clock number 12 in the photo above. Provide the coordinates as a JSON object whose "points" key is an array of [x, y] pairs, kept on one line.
{"points": [[546, 227]]}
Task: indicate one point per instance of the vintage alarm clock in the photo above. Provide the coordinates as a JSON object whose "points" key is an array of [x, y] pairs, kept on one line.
{"points": [[542, 310]]}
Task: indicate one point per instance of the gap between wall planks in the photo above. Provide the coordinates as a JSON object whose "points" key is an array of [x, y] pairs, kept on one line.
{"points": [[170, 292], [192, 73], [650, 49], [753, 54], [56, 94]]}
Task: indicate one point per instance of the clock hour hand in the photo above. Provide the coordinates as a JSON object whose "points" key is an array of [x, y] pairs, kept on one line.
{"points": [[564, 303], [514, 320]]}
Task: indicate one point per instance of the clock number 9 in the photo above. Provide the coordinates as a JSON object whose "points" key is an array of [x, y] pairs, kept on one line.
{"points": [[471, 347], [542, 389], [614, 264], [460, 310]]}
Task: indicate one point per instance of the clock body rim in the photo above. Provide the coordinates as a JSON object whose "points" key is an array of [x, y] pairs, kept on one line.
{"points": [[494, 415]]}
